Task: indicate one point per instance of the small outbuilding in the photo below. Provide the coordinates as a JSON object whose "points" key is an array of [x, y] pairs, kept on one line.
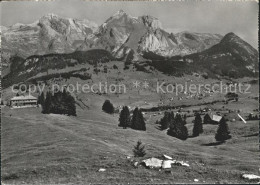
{"points": [[212, 119]]}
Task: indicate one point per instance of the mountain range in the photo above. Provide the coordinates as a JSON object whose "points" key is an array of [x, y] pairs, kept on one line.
{"points": [[118, 34], [123, 36]]}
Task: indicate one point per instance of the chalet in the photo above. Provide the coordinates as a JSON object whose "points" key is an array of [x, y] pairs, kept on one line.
{"points": [[23, 101]]}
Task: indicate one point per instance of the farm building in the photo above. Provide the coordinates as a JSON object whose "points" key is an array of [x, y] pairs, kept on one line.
{"points": [[23, 101], [212, 119]]}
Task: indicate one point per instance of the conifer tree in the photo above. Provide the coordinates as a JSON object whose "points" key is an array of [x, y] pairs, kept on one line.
{"points": [[166, 120], [184, 119], [138, 122], [41, 99], [139, 150], [223, 131], [207, 119], [71, 104], [47, 104], [197, 128], [178, 129], [250, 117], [124, 118]]}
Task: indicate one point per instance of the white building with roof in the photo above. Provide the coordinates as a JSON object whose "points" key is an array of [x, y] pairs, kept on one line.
{"points": [[23, 101], [216, 118]]}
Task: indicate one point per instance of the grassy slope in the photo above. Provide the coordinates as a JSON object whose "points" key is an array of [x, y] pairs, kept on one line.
{"points": [[39, 148]]}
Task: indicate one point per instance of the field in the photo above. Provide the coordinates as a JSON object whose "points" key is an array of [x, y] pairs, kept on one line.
{"points": [[38, 148]]}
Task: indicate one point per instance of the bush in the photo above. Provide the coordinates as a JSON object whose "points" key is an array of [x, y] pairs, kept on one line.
{"points": [[139, 150], [140, 67], [108, 107], [231, 96], [115, 66], [126, 67], [205, 75]]}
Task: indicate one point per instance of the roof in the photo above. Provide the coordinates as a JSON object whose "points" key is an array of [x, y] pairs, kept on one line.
{"points": [[28, 97], [216, 118]]}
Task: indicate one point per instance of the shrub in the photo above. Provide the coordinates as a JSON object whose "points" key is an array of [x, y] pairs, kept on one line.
{"points": [[115, 66], [140, 67], [126, 67], [205, 75], [231, 96]]}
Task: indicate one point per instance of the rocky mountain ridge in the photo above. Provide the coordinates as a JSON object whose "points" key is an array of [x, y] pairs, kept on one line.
{"points": [[119, 34], [50, 34]]}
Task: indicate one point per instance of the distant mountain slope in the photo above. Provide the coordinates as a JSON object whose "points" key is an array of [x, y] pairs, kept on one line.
{"points": [[23, 69], [50, 34], [196, 42], [231, 57]]}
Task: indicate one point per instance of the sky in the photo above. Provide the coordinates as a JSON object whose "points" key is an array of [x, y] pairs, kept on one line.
{"points": [[175, 16]]}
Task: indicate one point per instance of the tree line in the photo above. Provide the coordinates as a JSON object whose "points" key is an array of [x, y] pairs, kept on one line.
{"points": [[176, 126]]}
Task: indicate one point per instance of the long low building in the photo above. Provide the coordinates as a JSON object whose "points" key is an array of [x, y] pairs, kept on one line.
{"points": [[23, 101]]}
